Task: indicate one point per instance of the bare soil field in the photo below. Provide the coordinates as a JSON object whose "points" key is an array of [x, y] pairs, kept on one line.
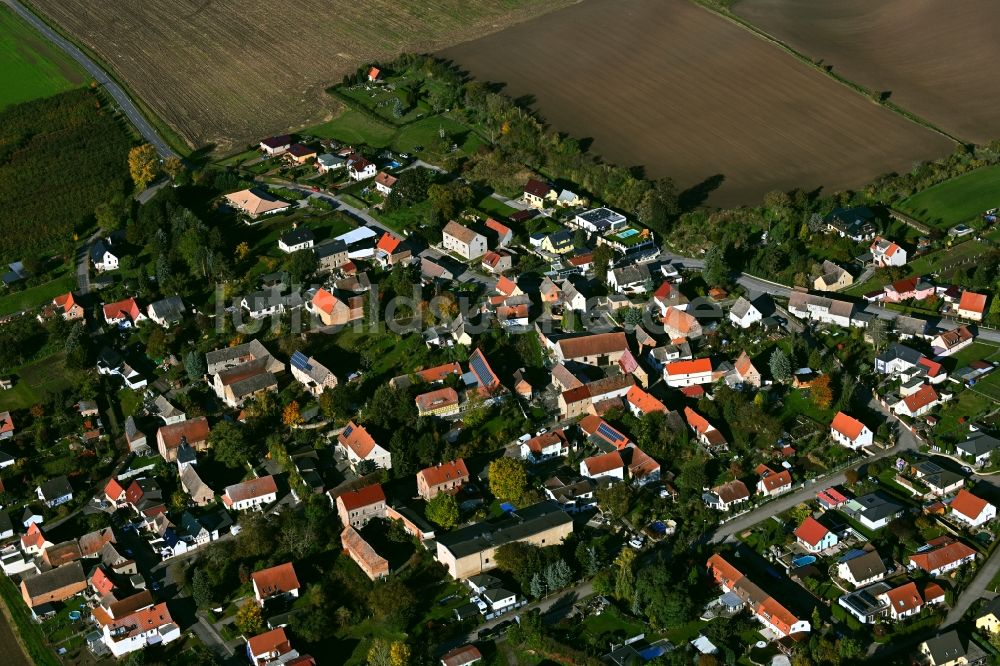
{"points": [[937, 58], [232, 71], [685, 93]]}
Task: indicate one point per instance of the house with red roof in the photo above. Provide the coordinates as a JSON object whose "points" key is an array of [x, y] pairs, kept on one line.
{"points": [[641, 403], [908, 288], [745, 372], [903, 601], [679, 324], [727, 495], [945, 554], [971, 509], [253, 494], [688, 373], [603, 432], [850, 432], [917, 403], [124, 313], [357, 507], [114, 491], [6, 425], [334, 311], [497, 262], [765, 608], [886, 253], [537, 192], [605, 465], [439, 402], [374, 74], [384, 182], [971, 306], [771, 483], [467, 655], [272, 647], [275, 582], [707, 434], [442, 478], [947, 343], [504, 234], [391, 250], [546, 446], [814, 536], [65, 306], [358, 446], [151, 625]]}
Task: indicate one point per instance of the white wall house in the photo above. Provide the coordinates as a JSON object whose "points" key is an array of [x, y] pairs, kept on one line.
{"points": [[850, 432]]}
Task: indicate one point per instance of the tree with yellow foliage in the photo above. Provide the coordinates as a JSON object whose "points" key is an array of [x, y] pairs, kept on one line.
{"points": [[173, 167], [822, 396], [291, 416], [249, 620], [143, 165], [242, 250]]}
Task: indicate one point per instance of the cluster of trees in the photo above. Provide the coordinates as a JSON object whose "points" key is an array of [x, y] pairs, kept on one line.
{"points": [[72, 144]]}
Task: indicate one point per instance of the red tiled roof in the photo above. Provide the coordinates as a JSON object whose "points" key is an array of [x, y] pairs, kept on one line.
{"points": [[537, 188], [65, 301], [506, 286], [732, 491], [695, 391], [6, 422], [904, 598], [141, 621], [101, 583], [436, 399], [968, 505], [358, 440], [604, 462], [663, 291], [270, 642], [848, 426], [592, 345], [461, 656], [949, 553], [723, 571], [696, 420], [33, 537], [362, 497], [193, 430], [972, 302], [679, 320], [126, 308], [933, 367], [445, 472], [777, 480], [276, 580], [697, 366], [581, 259], [387, 180], [955, 337], [324, 301], [114, 489], [810, 531], [744, 365], [387, 243], [923, 397], [439, 372], [259, 487], [501, 229], [643, 401], [543, 441], [591, 425]]}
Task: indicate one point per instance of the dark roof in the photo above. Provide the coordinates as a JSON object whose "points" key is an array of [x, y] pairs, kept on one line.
{"points": [[329, 248], [865, 566], [170, 308], [98, 249], [54, 579], [277, 141], [296, 236], [979, 443], [520, 524], [877, 506], [946, 647], [5, 522], [911, 356], [55, 488]]}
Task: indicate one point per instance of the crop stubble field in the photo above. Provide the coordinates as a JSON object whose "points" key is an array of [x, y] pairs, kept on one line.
{"points": [[231, 71], [685, 93], [938, 58]]}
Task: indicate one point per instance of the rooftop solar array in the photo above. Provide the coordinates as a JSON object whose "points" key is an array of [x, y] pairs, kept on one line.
{"points": [[347, 431], [609, 433], [300, 361], [482, 369]]}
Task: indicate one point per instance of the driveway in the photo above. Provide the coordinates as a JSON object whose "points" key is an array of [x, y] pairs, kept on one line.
{"points": [[122, 100], [83, 264]]}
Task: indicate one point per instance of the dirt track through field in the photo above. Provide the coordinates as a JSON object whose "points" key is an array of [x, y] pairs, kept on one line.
{"points": [[685, 93], [939, 58], [230, 72]]}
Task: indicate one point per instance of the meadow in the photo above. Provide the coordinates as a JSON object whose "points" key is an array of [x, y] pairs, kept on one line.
{"points": [[683, 92], [31, 66], [961, 199], [229, 74]]}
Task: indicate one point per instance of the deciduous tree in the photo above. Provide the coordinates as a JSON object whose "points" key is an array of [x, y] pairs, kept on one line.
{"points": [[443, 510], [507, 479], [143, 165], [249, 619], [291, 415]]}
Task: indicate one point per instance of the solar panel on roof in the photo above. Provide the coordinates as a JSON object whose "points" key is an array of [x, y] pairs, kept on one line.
{"points": [[347, 431], [609, 433], [300, 361], [481, 368]]}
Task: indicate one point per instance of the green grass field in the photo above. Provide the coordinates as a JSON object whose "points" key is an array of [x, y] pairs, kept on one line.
{"points": [[943, 262], [33, 381], [36, 296], [957, 200], [32, 67]]}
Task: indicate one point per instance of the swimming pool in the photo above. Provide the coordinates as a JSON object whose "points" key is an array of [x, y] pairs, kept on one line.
{"points": [[628, 233], [804, 560]]}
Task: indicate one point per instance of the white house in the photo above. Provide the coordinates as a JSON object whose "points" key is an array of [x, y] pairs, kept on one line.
{"points": [[599, 220], [917, 403], [850, 432], [151, 625], [499, 600], [358, 446], [276, 145], [744, 314], [545, 446], [972, 510], [358, 168], [295, 240], [815, 537], [384, 183], [945, 555], [688, 373], [608, 465], [903, 601], [771, 483], [463, 241], [253, 494], [102, 256], [864, 569], [886, 253]]}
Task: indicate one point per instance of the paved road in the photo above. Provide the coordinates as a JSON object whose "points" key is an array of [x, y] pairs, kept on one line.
{"points": [[905, 442], [102, 78], [83, 264], [977, 590]]}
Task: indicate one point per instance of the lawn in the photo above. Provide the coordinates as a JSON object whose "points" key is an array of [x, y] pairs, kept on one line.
{"points": [[968, 404], [33, 381], [354, 127], [942, 262], [36, 296], [32, 67], [957, 200], [495, 208], [977, 351]]}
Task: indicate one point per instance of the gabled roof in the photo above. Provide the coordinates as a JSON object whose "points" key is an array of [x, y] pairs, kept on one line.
{"points": [[811, 531], [461, 656], [582, 259], [356, 438], [65, 301], [501, 229], [595, 426], [904, 598], [444, 472], [955, 337], [192, 431], [251, 489], [385, 179], [124, 309], [679, 320], [254, 203], [972, 302], [463, 234], [949, 553], [437, 399], [744, 366], [697, 366], [643, 401], [270, 642], [604, 463], [276, 580], [868, 565], [733, 491], [777, 480], [848, 426], [541, 442], [297, 236], [506, 286], [592, 345], [537, 188], [388, 243], [968, 505], [921, 398], [698, 422]]}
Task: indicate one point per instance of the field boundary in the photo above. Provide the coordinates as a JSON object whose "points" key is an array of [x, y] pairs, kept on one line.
{"points": [[28, 636], [172, 138], [873, 96]]}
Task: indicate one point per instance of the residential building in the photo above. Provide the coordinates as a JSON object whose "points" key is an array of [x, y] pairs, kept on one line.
{"points": [[124, 313], [237, 384], [333, 311], [253, 494], [573, 495], [832, 278], [463, 241], [745, 371], [679, 324], [854, 223], [65, 306], [328, 162], [166, 312], [707, 434], [462, 656], [950, 649], [446, 477], [765, 608], [874, 510], [861, 568], [599, 221], [771, 483], [504, 234], [903, 601], [357, 507], [102, 256], [814, 536], [630, 279], [199, 491], [988, 618], [497, 262], [54, 492], [471, 550], [255, 203], [945, 554], [275, 145], [726, 496], [917, 403], [54, 585], [598, 349], [885, 253], [312, 374], [947, 343], [978, 448], [358, 168], [296, 239], [374, 565], [545, 446], [357, 445], [384, 182], [688, 373], [971, 306], [536, 193], [604, 465], [972, 510], [193, 432], [147, 626], [271, 648], [6, 426], [331, 255], [850, 432], [744, 314], [275, 582], [640, 402]]}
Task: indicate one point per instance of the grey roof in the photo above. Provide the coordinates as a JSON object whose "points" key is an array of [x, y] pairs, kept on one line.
{"points": [[741, 307], [170, 308], [898, 351], [297, 236], [601, 218], [55, 488], [877, 506], [164, 409], [979, 443], [867, 566], [946, 647], [6, 524], [330, 248], [632, 274], [518, 525], [98, 249], [132, 431], [254, 348], [909, 325], [497, 594], [193, 483], [54, 579], [484, 580]]}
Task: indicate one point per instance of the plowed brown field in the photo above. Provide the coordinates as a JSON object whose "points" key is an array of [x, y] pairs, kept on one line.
{"points": [[686, 93], [939, 58], [231, 71]]}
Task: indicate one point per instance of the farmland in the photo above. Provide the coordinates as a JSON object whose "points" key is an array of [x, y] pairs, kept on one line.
{"points": [[957, 200], [227, 74], [32, 67], [749, 112], [938, 59]]}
